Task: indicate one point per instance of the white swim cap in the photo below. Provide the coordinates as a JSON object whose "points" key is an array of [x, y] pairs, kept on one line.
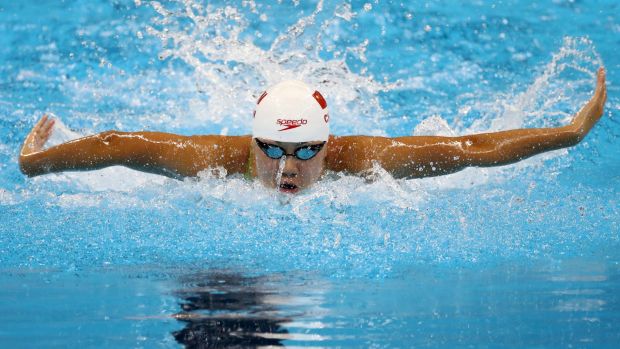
{"points": [[291, 111]]}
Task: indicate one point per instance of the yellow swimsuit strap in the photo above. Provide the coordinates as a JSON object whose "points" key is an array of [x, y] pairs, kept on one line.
{"points": [[248, 171]]}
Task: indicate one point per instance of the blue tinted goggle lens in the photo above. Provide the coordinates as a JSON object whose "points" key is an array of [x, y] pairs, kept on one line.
{"points": [[302, 153], [306, 153], [274, 152]]}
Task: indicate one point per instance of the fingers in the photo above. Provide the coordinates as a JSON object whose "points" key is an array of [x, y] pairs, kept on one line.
{"points": [[46, 128], [600, 93], [40, 133], [600, 80], [601, 87], [44, 125], [39, 123], [44, 132]]}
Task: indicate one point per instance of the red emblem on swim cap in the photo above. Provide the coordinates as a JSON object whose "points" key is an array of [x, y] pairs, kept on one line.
{"points": [[261, 97], [319, 98]]}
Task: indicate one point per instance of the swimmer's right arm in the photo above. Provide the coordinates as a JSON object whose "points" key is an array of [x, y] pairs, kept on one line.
{"points": [[166, 154]]}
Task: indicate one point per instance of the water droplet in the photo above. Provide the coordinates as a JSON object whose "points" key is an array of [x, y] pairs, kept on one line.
{"points": [[280, 170]]}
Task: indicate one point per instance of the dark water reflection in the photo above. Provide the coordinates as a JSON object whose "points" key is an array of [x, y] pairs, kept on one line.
{"points": [[561, 304], [227, 309]]}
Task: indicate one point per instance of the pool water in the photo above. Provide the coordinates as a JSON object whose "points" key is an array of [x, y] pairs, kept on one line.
{"points": [[525, 255]]}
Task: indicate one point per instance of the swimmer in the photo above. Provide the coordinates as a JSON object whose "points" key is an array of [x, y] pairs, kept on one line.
{"points": [[290, 147]]}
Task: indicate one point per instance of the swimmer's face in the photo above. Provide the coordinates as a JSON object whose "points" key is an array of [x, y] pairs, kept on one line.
{"points": [[296, 174]]}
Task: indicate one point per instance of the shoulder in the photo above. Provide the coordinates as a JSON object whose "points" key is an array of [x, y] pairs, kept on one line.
{"points": [[350, 153], [240, 141], [221, 144], [231, 152]]}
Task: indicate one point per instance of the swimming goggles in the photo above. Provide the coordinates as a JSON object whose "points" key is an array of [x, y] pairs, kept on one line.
{"points": [[306, 152]]}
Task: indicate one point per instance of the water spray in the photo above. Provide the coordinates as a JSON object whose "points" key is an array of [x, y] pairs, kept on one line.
{"points": [[282, 198]]}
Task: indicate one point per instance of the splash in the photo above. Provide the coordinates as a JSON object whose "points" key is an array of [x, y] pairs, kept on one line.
{"points": [[555, 95], [233, 70], [281, 165], [282, 197]]}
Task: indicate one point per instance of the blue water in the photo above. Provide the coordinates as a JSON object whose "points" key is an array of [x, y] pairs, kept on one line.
{"points": [[525, 255]]}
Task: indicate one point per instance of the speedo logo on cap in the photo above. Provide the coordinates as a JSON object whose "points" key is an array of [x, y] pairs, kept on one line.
{"points": [[290, 124]]}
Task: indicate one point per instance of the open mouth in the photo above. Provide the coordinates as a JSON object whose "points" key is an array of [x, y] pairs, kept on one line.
{"points": [[288, 187]]}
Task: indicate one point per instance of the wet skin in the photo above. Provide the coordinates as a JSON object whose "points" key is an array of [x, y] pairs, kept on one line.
{"points": [[404, 157]]}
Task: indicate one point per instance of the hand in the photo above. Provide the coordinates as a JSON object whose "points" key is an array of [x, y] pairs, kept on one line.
{"points": [[38, 136], [593, 110]]}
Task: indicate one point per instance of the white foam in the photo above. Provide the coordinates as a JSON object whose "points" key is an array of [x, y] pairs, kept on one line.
{"points": [[537, 105], [211, 45], [7, 198]]}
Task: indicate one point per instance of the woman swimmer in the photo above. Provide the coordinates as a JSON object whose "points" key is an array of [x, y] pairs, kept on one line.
{"points": [[290, 146]]}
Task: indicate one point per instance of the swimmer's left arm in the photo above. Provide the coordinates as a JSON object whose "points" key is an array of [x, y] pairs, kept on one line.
{"points": [[412, 157]]}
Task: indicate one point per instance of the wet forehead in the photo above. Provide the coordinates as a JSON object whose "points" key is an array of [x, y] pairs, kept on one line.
{"points": [[289, 145]]}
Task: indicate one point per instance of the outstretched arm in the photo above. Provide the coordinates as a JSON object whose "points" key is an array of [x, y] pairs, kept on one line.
{"points": [[161, 153], [432, 156]]}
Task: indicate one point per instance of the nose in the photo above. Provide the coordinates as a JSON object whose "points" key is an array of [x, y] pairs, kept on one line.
{"points": [[290, 168]]}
